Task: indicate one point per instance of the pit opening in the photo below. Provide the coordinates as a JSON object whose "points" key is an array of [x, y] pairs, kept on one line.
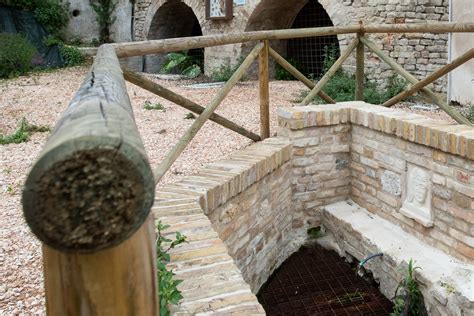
{"points": [[316, 281]]}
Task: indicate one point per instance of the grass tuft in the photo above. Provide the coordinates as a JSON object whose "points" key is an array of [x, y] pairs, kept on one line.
{"points": [[23, 133]]}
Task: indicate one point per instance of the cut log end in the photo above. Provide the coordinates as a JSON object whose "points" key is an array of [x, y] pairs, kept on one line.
{"points": [[87, 201]]}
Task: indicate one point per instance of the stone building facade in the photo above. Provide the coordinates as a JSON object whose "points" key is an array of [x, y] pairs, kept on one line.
{"points": [[418, 53]]}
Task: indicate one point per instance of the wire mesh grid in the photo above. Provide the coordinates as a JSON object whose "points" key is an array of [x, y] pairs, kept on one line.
{"points": [[314, 281], [307, 54]]}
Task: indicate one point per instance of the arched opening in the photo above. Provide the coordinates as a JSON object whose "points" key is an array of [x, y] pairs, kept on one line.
{"points": [[173, 19], [308, 54]]}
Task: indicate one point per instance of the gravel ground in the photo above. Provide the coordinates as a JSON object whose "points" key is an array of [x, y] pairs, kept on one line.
{"points": [[41, 98]]}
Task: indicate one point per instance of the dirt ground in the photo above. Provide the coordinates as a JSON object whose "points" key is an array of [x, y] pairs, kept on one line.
{"points": [[40, 98]]}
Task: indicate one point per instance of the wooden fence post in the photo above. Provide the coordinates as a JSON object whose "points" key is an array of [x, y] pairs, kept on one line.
{"points": [[88, 199], [264, 92], [359, 76]]}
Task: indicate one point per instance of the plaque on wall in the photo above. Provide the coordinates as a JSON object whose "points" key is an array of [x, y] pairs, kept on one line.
{"points": [[219, 9], [417, 203]]}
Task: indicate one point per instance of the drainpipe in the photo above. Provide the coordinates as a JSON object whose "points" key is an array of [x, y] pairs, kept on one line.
{"points": [[450, 50]]}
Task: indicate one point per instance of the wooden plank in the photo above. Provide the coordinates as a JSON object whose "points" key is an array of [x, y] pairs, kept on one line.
{"points": [[92, 186], [298, 75], [160, 170], [317, 88], [169, 95], [431, 78], [401, 71], [178, 44], [359, 75], [117, 281], [264, 92]]}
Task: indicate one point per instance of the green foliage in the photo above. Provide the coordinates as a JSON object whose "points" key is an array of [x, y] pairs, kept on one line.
{"points": [[470, 114], [181, 62], [52, 15], [168, 286], [150, 106], [282, 74], [341, 86], [104, 10], [408, 300], [72, 55], [224, 72], [189, 116], [16, 54], [23, 133]]}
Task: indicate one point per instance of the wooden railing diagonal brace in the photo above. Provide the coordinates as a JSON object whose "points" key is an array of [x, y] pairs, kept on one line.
{"points": [[317, 88], [431, 78], [159, 90], [160, 170], [405, 74], [298, 75]]}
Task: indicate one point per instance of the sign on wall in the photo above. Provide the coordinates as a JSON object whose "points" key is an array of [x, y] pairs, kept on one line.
{"points": [[219, 9]]}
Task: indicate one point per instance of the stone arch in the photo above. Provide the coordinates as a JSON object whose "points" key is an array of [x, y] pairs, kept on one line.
{"points": [[174, 18], [276, 14], [153, 6]]}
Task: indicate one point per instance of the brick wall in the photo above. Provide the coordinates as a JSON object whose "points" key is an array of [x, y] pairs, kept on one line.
{"points": [[384, 143]]}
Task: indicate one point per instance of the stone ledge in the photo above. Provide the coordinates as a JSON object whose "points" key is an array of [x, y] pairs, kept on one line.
{"points": [[450, 138], [447, 283]]}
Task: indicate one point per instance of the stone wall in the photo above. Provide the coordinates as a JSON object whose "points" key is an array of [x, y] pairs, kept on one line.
{"points": [[418, 53], [385, 147]]}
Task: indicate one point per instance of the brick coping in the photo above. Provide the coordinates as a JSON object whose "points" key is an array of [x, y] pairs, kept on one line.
{"points": [[448, 137], [212, 283]]}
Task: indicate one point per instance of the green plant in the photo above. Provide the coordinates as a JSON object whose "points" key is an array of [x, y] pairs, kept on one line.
{"points": [[182, 62], [104, 10], [408, 300], [470, 114], [52, 14], [16, 54], [168, 286], [23, 133], [282, 74], [150, 106], [225, 71], [189, 116], [72, 55]]}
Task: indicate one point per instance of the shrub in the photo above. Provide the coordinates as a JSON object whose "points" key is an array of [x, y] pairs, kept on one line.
{"points": [[282, 74], [408, 298], [72, 55], [104, 10], [16, 54], [225, 71], [183, 63], [470, 114], [52, 15]]}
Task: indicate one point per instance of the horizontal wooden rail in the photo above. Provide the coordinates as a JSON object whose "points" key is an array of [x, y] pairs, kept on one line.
{"points": [[169, 95], [177, 44], [405, 74], [431, 78], [298, 75], [87, 198], [170, 158], [317, 88]]}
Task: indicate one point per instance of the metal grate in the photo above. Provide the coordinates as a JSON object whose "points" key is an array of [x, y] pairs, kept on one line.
{"points": [[314, 281], [307, 54]]}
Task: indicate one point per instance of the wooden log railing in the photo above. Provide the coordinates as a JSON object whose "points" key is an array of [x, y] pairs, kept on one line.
{"points": [[89, 194]]}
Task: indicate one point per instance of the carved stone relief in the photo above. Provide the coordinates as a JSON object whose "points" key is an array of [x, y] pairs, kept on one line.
{"points": [[417, 203]]}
